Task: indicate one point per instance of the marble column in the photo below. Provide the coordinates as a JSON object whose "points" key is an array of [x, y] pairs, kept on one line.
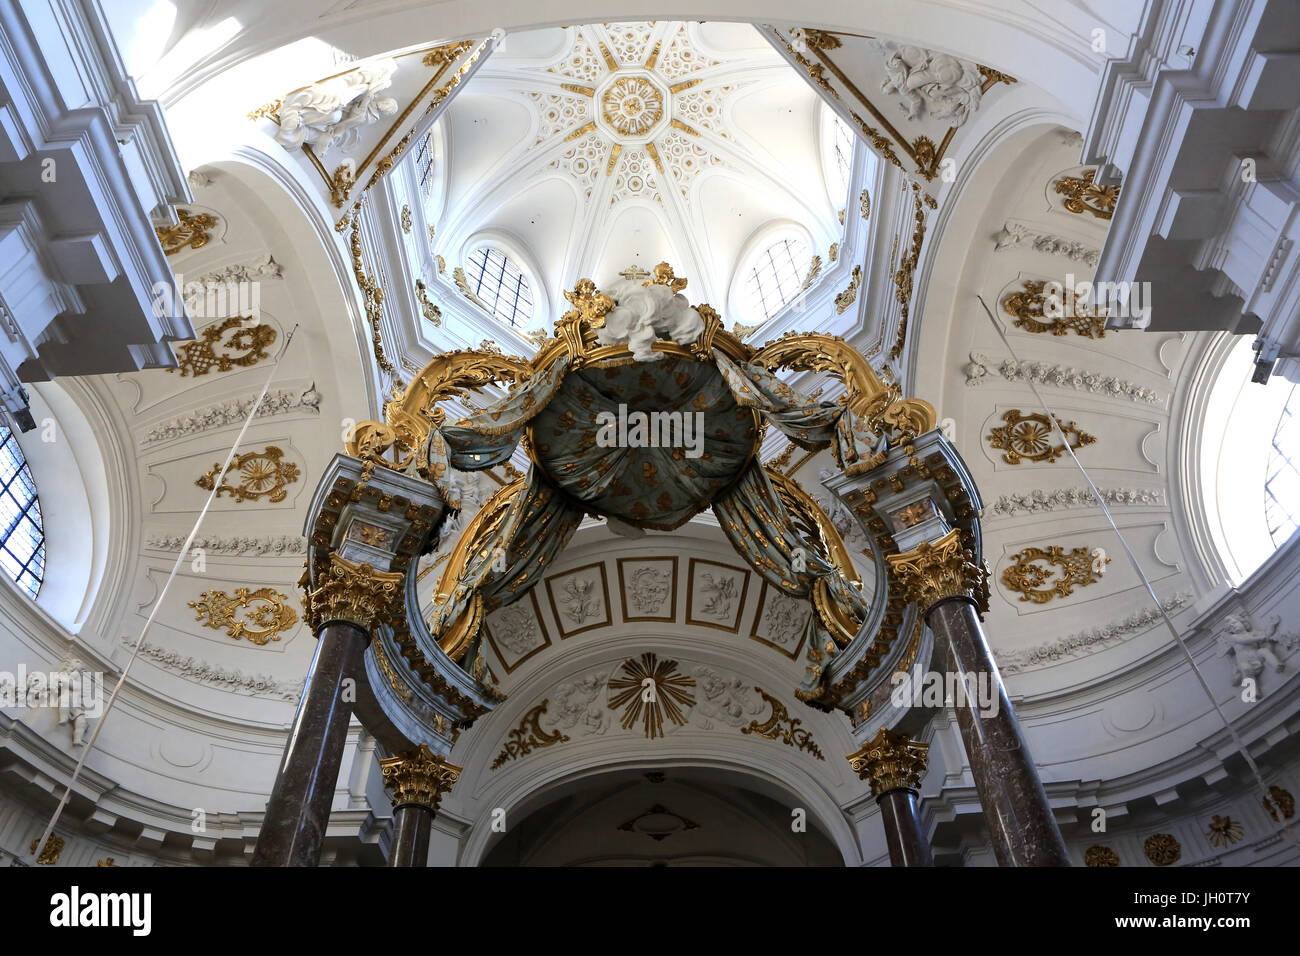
{"points": [[417, 780], [943, 579], [893, 765], [342, 612]]}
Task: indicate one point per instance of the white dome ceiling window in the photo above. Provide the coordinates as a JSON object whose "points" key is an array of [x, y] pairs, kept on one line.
{"points": [[775, 276], [22, 535], [839, 158], [1282, 486], [1249, 462], [500, 285]]}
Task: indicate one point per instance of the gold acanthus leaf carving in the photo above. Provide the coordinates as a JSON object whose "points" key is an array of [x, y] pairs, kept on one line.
{"points": [[1162, 849], [1026, 576], [50, 852], [941, 569], [1029, 307], [427, 308], [527, 737], [1031, 437], [419, 777], [1100, 856], [890, 761], [200, 356], [850, 294], [356, 593], [372, 295], [1082, 195], [269, 613], [781, 726], [261, 474], [190, 232]]}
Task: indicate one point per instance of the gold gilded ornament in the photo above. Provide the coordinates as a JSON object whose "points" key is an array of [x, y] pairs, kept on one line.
{"points": [[632, 105], [356, 593], [1162, 849], [191, 232], [1083, 195], [200, 356], [1279, 800], [1100, 856], [527, 737], [261, 474], [269, 617], [650, 689], [936, 570], [1224, 831], [1030, 310], [419, 777], [50, 852], [781, 726], [850, 294], [890, 761], [1031, 437], [1027, 578]]}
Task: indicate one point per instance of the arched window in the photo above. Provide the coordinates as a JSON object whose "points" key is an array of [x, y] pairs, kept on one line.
{"points": [[776, 275], [500, 285], [843, 160], [1282, 481], [22, 539]]}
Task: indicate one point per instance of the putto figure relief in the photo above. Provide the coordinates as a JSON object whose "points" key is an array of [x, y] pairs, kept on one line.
{"points": [[931, 85], [332, 113], [1251, 650]]}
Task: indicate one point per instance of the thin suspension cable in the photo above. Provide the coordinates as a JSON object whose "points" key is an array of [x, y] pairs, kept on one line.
{"points": [[185, 548], [1200, 677]]}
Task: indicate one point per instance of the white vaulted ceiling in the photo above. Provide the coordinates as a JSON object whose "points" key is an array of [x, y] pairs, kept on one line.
{"points": [[593, 148]]}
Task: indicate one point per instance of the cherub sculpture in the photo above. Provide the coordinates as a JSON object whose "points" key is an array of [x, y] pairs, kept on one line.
{"points": [[1251, 650]]}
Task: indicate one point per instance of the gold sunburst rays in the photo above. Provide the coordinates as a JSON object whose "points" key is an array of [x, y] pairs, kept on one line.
{"points": [[650, 689]]}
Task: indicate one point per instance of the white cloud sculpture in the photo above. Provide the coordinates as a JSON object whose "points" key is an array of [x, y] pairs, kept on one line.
{"points": [[643, 314]]}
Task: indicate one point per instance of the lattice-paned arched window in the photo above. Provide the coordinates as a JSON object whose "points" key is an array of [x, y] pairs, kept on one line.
{"points": [[22, 538], [1282, 479], [499, 285], [776, 275], [842, 165]]}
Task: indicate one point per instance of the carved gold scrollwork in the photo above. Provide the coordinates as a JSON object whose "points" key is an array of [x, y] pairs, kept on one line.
{"points": [[200, 356], [527, 737], [1083, 195], [1026, 576], [880, 406], [191, 232], [261, 474], [1030, 310], [1030, 437], [890, 761], [781, 726], [270, 614], [419, 777]]}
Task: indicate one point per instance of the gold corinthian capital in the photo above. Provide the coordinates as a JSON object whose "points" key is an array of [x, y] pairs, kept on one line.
{"points": [[890, 762], [936, 570], [419, 776], [352, 592]]}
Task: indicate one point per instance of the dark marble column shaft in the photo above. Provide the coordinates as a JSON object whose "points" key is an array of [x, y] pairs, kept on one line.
{"points": [[411, 825], [299, 809], [1020, 821], [899, 814]]}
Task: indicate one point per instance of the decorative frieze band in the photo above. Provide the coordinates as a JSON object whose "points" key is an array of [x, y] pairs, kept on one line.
{"points": [[282, 401], [1017, 235], [232, 680], [273, 546], [982, 367], [1040, 500]]}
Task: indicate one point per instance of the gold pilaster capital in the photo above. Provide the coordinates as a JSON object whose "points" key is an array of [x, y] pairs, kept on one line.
{"points": [[940, 569], [352, 592], [890, 761], [419, 776]]}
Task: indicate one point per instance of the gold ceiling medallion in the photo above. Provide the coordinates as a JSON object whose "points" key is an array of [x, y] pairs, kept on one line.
{"points": [[418, 777], [650, 689], [1162, 849], [1027, 577], [191, 232], [50, 852], [1083, 195], [527, 737], [1224, 831], [427, 308], [269, 613], [200, 356], [781, 726], [632, 106], [1030, 310], [1031, 437], [890, 761], [262, 474], [1279, 801], [850, 293], [1100, 856]]}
